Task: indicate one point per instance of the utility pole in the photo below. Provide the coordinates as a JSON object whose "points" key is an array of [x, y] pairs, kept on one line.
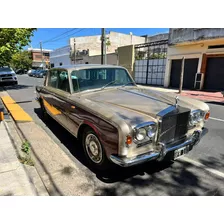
{"points": [[103, 47], [181, 75], [74, 52], [41, 49]]}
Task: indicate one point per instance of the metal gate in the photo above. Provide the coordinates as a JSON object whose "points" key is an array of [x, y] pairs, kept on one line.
{"points": [[150, 62], [214, 76]]}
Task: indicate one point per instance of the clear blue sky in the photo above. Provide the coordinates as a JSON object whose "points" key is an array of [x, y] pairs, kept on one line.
{"points": [[56, 38]]}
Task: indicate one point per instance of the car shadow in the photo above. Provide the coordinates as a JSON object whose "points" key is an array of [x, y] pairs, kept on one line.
{"points": [[75, 148], [15, 87], [152, 178]]}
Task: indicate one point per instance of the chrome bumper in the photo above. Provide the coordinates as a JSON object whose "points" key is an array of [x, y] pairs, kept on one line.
{"points": [[126, 162]]}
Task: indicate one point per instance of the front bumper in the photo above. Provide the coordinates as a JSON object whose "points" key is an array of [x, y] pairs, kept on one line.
{"points": [[159, 154], [8, 79]]}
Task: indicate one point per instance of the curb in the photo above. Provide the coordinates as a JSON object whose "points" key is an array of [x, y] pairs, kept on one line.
{"points": [[31, 171], [16, 138], [58, 172]]}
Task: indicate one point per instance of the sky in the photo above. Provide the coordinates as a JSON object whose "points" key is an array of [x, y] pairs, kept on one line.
{"points": [[53, 38]]}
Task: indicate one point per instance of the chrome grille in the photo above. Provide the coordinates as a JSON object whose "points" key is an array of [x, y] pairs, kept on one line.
{"points": [[174, 126]]}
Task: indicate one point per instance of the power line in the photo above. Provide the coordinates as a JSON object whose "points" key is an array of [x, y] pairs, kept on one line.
{"points": [[59, 35], [68, 35]]}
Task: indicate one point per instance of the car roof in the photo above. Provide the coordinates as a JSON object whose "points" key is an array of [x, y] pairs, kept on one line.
{"points": [[86, 66]]}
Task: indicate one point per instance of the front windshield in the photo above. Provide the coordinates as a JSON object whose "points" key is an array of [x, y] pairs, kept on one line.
{"points": [[6, 69], [87, 79]]}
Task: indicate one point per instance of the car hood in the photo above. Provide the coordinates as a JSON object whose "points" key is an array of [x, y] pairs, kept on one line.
{"points": [[7, 73], [137, 105]]}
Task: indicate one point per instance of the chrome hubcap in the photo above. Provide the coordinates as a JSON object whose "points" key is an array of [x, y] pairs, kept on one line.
{"points": [[93, 148]]}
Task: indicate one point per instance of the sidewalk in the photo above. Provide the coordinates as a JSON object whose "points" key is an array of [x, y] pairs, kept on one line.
{"points": [[14, 177], [57, 170], [200, 95]]}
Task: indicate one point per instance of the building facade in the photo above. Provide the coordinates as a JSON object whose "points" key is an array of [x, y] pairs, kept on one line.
{"points": [[87, 49], [60, 56], [203, 53], [40, 59]]}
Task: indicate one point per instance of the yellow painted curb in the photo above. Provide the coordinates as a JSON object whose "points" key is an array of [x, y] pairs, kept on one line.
{"points": [[15, 110]]}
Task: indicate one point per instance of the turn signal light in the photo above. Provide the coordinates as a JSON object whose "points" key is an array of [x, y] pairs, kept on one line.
{"points": [[207, 115], [128, 140]]}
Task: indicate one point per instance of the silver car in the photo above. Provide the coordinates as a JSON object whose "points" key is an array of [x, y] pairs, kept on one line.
{"points": [[7, 75]]}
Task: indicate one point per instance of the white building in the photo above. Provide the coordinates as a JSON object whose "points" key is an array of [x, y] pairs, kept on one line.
{"points": [[60, 56]]}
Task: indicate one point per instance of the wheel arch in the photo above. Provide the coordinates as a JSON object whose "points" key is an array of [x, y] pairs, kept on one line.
{"points": [[85, 125]]}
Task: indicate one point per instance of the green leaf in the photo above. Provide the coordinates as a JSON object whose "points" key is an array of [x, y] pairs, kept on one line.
{"points": [[12, 40]]}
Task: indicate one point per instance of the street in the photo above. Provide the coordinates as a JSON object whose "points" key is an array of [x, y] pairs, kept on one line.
{"points": [[201, 172]]}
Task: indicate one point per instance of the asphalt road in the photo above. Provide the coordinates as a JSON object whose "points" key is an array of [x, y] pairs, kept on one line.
{"points": [[201, 172]]}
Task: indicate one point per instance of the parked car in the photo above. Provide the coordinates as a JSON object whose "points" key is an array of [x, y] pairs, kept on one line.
{"points": [[117, 121], [21, 71], [31, 72], [7, 75], [40, 73]]}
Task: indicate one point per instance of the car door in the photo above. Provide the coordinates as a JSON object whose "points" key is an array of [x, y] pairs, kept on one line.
{"points": [[55, 95]]}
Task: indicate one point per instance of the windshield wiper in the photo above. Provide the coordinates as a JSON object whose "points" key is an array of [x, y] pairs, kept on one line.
{"points": [[128, 83], [112, 82]]}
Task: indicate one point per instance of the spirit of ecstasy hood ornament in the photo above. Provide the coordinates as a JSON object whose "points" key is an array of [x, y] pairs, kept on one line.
{"points": [[176, 101]]}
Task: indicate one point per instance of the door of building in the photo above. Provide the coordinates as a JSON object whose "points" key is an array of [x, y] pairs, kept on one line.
{"points": [[190, 70], [214, 75]]}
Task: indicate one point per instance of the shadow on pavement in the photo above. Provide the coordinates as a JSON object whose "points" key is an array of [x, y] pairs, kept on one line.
{"points": [[153, 178], [15, 87]]}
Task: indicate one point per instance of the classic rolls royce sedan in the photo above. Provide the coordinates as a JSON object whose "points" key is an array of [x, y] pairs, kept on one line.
{"points": [[117, 121]]}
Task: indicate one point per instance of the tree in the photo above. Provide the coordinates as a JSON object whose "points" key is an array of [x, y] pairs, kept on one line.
{"points": [[12, 40], [21, 60]]}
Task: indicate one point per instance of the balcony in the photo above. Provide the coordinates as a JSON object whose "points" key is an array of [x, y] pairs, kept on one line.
{"points": [[181, 35]]}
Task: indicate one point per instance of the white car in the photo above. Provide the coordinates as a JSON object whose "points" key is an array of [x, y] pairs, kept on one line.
{"points": [[7, 75]]}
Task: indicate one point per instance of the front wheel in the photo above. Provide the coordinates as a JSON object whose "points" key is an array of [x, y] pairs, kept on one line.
{"points": [[94, 150]]}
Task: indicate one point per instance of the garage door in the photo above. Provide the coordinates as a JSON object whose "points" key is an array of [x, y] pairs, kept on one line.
{"points": [[214, 76], [190, 69]]}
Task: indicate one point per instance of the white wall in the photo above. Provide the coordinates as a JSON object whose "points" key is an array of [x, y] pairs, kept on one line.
{"points": [[60, 55]]}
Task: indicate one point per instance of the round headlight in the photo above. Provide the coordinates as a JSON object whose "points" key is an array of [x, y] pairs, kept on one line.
{"points": [[196, 117], [151, 131], [140, 134]]}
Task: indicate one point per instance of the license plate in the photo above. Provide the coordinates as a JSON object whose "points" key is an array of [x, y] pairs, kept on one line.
{"points": [[180, 152]]}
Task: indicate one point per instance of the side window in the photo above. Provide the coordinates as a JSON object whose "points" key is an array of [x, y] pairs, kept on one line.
{"points": [[63, 81], [53, 78], [59, 80]]}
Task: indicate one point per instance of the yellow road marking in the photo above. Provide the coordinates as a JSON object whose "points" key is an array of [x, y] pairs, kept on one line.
{"points": [[15, 110]]}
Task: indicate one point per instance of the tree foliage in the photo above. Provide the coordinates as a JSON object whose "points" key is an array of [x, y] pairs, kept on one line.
{"points": [[12, 40], [21, 60]]}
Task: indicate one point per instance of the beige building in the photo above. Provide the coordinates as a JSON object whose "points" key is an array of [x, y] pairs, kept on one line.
{"points": [[203, 50], [88, 49]]}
